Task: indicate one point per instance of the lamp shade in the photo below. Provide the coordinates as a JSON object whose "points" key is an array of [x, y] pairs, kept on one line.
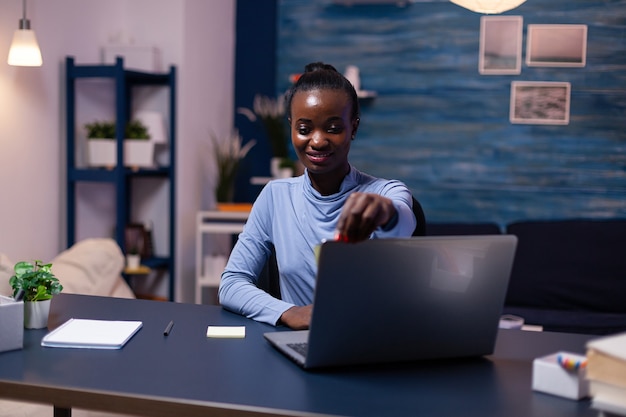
{"points": [[24, 50], [488, 6]]}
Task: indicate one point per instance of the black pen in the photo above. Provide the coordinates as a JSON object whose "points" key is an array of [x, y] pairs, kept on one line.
{"points": [[168, 329]]}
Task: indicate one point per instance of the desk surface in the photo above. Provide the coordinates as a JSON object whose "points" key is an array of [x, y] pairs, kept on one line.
{"points": [[188, 374]]}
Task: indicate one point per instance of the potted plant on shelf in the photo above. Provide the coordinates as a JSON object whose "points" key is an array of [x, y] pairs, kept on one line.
{"points": [[133, 258], [39, 284], [271, 113], [101, 145], [228, 153], [138, 149]]}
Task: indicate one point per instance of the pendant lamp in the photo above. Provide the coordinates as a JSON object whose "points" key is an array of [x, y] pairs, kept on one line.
{"points": [[24, 50], [488, 6]]}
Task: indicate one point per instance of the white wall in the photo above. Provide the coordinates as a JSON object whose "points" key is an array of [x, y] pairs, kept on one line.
{"points": [[195, 35]]}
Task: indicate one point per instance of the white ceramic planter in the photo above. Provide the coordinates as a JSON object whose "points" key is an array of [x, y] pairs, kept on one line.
{"points": [[36, 314], [101, 153], [137, 153], [277, 171], [133, 261]]}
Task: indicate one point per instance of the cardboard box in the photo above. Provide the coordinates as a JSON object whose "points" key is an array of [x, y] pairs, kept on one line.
{"points": [[11, 324], [551, 377]]}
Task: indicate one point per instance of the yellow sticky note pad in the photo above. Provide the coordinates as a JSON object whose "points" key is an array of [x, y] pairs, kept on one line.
{"points": [[226, 331]]}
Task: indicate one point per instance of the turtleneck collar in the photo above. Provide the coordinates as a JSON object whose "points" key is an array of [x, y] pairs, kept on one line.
{"points": [[350, 181]]}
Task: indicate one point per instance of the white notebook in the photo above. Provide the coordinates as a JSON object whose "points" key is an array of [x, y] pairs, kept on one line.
{"points": [[92, 334]]}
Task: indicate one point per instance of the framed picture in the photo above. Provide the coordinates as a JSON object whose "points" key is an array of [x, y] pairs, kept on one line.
{"points": [[541, 103], [556, 46], [138, 240], [500, 49]]}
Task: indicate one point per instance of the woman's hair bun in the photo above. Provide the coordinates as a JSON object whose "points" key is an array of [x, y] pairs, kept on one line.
{"points": [[319, 66]]}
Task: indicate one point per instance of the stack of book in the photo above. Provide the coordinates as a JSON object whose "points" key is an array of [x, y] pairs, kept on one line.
{"points": [[606, 371]]}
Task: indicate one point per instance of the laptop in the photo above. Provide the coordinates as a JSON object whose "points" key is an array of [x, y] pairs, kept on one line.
{"points": [[403, 299]]}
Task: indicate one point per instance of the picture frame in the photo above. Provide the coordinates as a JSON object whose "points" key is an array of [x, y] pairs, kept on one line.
{"points": [[500, 50], [545, 103], [138, 240], [556, 46]]}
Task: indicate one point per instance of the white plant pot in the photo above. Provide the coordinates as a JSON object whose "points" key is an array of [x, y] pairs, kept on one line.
{"points": [[133, 261], [36, 314], [285, 173], [275, 167], [277, 171], [101, 153], [137, 153]]}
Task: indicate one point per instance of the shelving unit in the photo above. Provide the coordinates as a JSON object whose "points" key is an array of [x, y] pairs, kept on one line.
{"points": [[119, 176], [213, 222]]}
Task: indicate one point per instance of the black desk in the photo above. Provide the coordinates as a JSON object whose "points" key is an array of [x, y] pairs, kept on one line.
{"points": [[186, 374]]}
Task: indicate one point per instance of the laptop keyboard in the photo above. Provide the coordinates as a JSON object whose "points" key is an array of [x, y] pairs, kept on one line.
{"points": [[301, 348]]}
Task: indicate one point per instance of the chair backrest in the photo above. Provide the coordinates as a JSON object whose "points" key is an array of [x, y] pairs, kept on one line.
{"points": [[420, 226], [269, 278], [460, 229]]}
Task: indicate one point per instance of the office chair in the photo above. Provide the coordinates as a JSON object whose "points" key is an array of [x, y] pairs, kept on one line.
{"points": [[420, 218], [269, 281]]}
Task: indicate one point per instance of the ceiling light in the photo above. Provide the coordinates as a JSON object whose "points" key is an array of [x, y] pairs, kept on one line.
{"points": [[488, 6], [24, 50]]}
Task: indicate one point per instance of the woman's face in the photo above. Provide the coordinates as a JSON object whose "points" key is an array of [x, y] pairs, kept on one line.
{"points": [[321, 131]]}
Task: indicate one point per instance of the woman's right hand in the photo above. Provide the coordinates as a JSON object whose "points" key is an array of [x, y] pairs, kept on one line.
{"points": [[362, 213]]}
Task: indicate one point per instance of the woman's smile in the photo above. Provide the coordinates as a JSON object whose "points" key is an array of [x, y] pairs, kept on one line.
{"points": [[319, 158]]}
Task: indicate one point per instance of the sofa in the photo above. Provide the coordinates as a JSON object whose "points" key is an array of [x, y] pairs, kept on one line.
{"points": [[90, 267], [568, 275]]}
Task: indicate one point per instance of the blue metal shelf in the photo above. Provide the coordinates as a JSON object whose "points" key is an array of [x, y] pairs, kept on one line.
{"points": [[120, 175]]}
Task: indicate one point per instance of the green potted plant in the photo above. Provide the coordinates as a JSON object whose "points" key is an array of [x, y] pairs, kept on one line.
{"points": [[39, 285], [100, 130], [271, 113], [228, 154], [133, 258], [138, 149], [101, 145], [136, 130]]}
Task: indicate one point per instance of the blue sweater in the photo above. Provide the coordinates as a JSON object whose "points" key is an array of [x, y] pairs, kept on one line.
{"points": [[293, 217]]}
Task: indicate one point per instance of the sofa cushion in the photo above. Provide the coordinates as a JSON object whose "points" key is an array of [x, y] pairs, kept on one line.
{"points": [[576, 265], [89, 267]]}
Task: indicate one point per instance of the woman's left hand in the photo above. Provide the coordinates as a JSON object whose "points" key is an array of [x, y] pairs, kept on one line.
{"points": [[362, 214]]}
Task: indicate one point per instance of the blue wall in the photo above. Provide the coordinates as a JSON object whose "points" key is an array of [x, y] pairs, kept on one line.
{"points": [[255, 73], [444, 129]]}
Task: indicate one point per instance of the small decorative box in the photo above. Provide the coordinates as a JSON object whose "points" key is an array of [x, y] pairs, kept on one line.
{"points": [[561, 374], [11, 324]]}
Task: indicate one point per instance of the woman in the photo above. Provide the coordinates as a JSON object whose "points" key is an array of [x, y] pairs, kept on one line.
{"points": [[332, 199]]}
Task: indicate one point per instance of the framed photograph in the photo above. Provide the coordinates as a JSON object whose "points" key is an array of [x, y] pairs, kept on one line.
{"points": [[138, 240], [540, 103], [556, 46], [500, 50]]}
